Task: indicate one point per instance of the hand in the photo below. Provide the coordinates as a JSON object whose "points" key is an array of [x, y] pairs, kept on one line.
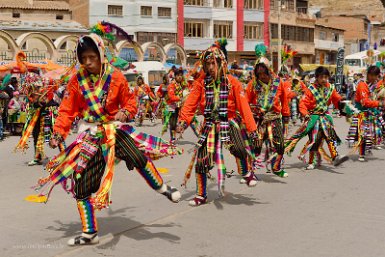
{"points": [[121, 116], [180, 128], [53, 143]]}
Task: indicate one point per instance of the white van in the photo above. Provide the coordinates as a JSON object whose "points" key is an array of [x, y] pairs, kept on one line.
{"points": [[357, 63], [151, 71]]}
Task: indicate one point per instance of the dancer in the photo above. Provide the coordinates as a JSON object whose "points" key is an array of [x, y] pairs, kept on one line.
{"points": [[269, 104], [366, 126], [318, 124], [144, 97], [220, 96], [41, 112], [173, 98], [100, 93]]}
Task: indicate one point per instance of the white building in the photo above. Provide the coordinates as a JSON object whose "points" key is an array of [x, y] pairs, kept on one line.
{"points": [[152, 23], [240, 21]]}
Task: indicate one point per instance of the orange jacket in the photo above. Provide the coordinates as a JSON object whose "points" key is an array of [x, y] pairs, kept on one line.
{"points": [[280, 105], [146, 89], [308, 101], [363, 96], [287, 86], [160, 92], [73, 103], [172, 96], [236, 102]]}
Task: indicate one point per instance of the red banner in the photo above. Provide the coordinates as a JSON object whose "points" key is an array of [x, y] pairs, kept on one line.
{"points": [[266, 26]]}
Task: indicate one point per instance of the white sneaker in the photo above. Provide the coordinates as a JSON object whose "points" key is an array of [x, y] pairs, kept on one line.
{"points": [[361, 159], [250, 180], [84, 239], [197, 201], [310, 167]]}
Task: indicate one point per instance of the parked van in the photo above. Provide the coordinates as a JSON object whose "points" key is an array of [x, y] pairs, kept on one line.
{"points": [[151, 71], [357, 63]]}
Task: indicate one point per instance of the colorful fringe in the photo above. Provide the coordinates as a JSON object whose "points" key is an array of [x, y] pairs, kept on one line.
{"points": [[362, 132], [28, 128], [64, 165], [313, 126]]}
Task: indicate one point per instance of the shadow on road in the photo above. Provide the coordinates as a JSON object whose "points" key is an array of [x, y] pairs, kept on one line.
{"points": [[236, 199], [125, 226]]}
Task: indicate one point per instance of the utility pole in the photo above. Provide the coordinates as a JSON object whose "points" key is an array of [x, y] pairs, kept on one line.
{"points": [[279, 35]]}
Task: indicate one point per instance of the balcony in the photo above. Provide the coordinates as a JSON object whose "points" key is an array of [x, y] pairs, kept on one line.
{"points": [[197, 3], [328, 44], [201, 44]]}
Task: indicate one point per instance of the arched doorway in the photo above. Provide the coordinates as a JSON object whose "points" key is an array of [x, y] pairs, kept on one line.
{"points": [[154, 52], [65, 48], [129, 51], [175, 54], [37, 46], [8, 47]]}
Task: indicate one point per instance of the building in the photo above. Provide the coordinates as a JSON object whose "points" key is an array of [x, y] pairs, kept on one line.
{"points": [[357, 29], [201, 22], [152, 23], [361, 20], [42, 29], [327, 42], [373, 9], [297, 30]]}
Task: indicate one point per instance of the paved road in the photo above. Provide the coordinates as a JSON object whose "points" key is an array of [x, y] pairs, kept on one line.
{"points": [[328, 212]]}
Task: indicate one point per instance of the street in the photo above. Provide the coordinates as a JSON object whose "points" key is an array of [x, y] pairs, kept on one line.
{"points": [[327, 212]]}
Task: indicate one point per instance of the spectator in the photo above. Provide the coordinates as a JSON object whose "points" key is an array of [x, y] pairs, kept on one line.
{"points": [[3, 101], [234, 65], [14, 108]]}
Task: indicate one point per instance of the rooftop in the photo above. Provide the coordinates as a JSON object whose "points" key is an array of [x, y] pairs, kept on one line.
{"points": [[62, 26], [35, 4]]}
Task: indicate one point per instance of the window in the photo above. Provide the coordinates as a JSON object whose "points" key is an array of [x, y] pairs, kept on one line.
{"points": [[115, 10], [223, 29], [253, 31], [322, 35], [59, 16], [293, 33], [144, 37], [16, 15], [195, 2], [164, 12], [193, 29], [335, 37], [287, 5], [228, 3], [253, 4], [146, 11], [217, 3]]}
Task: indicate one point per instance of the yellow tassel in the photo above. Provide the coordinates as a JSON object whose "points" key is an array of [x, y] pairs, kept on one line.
{"points": [[36, 198]]}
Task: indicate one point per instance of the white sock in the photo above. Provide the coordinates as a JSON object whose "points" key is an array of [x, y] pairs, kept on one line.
{"points": [[162, 189]]}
